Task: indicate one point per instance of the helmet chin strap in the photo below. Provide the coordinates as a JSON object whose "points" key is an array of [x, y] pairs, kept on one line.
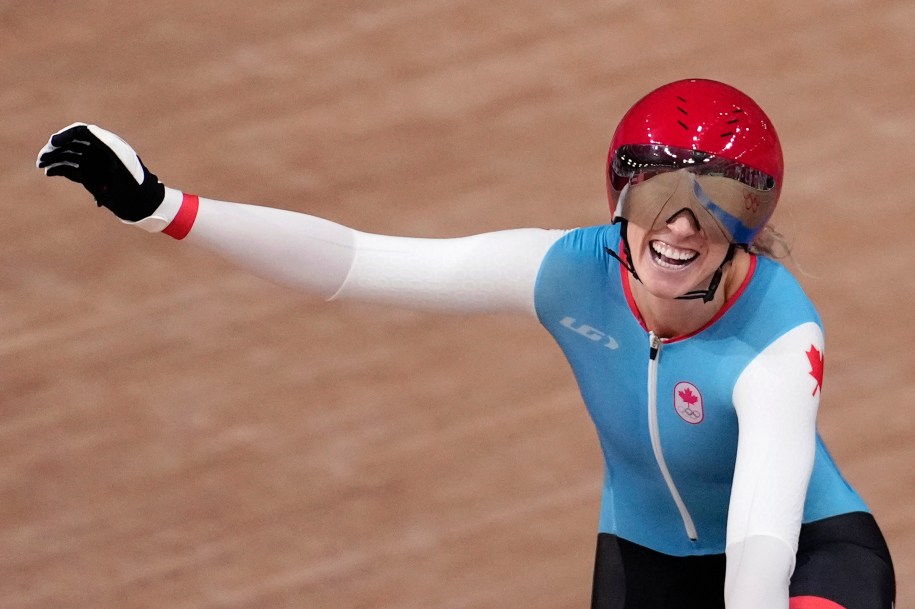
{"points": [[626, 258], [707, 295]]}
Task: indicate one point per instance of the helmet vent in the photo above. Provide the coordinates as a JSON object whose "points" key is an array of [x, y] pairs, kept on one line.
{"points": [[733, 121], [683, 112]]}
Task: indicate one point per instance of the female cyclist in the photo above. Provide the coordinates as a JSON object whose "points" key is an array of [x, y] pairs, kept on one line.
{"points": [[699, 357]]}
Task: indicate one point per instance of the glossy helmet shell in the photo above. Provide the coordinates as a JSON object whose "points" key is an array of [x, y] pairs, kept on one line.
{"points": [[702, 115]]}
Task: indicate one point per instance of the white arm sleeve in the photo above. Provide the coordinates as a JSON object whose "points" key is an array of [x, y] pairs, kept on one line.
{"points": [[776, 398], [481, 273], [490, 272], [288, 248]]}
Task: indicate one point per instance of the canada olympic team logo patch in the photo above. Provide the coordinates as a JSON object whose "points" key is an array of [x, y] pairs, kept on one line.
{"points": [[688, 403]]}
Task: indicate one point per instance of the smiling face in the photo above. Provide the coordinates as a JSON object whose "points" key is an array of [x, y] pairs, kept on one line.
{"points": [[679, 249], [678, 257]]}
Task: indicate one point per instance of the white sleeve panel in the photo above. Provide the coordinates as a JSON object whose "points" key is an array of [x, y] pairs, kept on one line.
{"points": [[490, 272], [776, 398], [759, 572], [285, 247]]}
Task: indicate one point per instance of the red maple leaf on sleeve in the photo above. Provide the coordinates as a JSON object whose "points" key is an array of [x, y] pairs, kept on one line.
{"points": [[687, 396], [816, 368]]}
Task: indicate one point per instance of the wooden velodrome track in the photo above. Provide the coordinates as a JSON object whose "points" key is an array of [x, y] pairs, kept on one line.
{"points": [[175, 433]]}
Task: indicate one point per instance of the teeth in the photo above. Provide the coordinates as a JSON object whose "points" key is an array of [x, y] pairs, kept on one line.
{"points": [[671, 252]]}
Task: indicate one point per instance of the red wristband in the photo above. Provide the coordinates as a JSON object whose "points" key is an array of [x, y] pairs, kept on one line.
{"points": [[184, 220]]}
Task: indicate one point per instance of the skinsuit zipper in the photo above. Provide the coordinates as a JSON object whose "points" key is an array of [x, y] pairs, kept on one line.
{"points": [[655, 433]]}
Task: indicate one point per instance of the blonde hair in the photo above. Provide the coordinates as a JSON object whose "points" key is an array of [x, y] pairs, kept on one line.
{"points": [[770, 243]]}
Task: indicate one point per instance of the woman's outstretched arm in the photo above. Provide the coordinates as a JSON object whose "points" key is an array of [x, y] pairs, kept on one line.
{"points": [[490, 272]]}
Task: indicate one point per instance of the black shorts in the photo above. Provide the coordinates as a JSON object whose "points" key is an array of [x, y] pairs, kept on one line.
{"points": [[842, 563]]}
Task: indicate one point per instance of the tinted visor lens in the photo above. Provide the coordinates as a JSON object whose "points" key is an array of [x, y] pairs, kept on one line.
{"points": [[657, 182]]}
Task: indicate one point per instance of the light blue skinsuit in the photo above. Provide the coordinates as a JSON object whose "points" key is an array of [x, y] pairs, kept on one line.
{"points": [[580, 299]]}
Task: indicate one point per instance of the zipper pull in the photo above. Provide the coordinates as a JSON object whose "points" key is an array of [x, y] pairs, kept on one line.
{"points": [[654, 345]]}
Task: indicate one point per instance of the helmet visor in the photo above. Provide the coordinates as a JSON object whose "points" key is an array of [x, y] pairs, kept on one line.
{"points": [[656, 182]]}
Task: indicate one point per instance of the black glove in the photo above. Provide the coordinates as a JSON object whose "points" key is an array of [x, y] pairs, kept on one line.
{"points": [[107, 167]]}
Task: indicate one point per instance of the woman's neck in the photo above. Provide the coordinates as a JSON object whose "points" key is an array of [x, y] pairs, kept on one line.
{"points": [[670, 318]]}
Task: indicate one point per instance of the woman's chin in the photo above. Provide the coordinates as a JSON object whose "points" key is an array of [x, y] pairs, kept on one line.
{"points": [[668, 284]]}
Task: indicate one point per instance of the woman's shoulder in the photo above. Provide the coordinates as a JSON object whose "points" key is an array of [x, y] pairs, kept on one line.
{"points": [[591, 241], [777, 281], [772, 303]]}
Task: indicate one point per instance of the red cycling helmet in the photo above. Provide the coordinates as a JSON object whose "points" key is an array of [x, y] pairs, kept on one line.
{"points": [[696, 119]]}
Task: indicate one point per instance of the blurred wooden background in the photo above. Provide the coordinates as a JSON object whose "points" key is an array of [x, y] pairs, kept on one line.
{"points": [[175, 433]]}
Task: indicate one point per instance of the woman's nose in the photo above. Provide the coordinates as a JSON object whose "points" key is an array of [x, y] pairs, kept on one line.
{"points": [[684, 222]]}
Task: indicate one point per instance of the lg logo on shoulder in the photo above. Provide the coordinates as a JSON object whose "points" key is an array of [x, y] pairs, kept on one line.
{"points": [[590, 332]]}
